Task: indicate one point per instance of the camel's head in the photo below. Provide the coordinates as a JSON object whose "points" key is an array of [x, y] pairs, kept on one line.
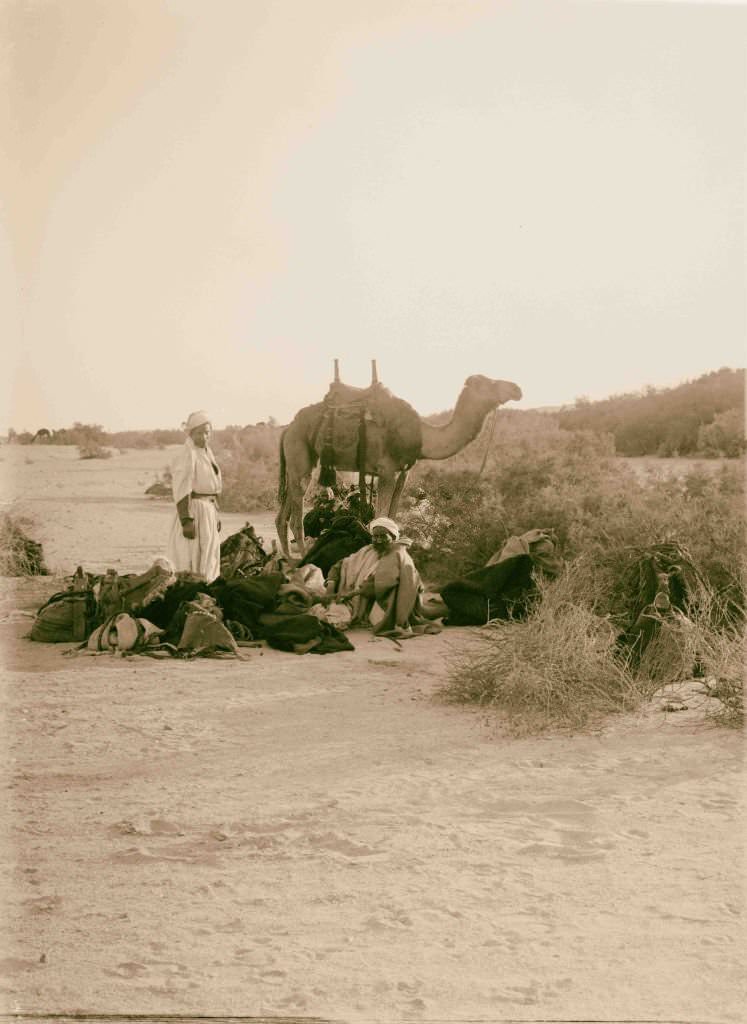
{"points": [[494, 391]]}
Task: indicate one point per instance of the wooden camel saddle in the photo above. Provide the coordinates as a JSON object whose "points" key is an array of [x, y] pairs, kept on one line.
{"points": [[361, 426]]}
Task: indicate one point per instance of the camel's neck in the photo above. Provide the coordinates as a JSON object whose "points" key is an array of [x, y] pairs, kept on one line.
{"points": [[463, 427]]}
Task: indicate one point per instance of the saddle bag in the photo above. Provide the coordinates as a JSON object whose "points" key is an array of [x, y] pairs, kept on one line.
{"points": [[67, 617]]}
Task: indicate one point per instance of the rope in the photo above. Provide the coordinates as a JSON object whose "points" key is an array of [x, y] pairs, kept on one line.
{"points": [[488, 445]]}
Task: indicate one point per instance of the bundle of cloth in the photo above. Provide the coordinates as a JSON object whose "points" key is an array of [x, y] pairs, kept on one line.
{"points": [[504, 586], [302, 608], [308, 607], [345, 535]]}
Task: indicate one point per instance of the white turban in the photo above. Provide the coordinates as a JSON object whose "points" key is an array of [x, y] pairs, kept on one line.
{"points": [[387, 524], [195, 420]]}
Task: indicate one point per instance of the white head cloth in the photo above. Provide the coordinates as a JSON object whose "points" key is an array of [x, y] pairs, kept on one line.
{"points": [[195, 420], [387, 524]]}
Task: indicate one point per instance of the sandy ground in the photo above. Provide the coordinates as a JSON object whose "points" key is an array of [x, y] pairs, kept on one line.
{"points": [[322, 836]]}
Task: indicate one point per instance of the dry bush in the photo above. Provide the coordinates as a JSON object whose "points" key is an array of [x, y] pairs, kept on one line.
{"points": [[559, 668], [705, 642], [596, 505], [19, 555], [93, 450], [249, 462]]}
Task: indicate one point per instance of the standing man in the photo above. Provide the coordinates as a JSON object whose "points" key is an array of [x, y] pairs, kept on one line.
{"points": [[194, 544]]}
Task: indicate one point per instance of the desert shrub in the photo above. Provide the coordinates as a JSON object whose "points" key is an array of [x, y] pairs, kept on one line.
{"points": [[145, 438], [93, 450], [607, 520], [81, 434], [710, 640], [249, 461], [456, 524], [249, 484], [725, 436], [558, 668], [19, 555], [597, 506]]}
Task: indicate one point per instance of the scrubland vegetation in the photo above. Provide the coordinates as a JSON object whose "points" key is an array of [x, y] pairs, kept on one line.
{"points": [[19, 554], [564, 663]]}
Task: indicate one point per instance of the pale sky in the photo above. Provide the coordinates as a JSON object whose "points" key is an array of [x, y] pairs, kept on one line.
{"points": [[212, 199]]}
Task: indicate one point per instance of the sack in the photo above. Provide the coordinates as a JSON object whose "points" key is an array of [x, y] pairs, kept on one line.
{"points": [[123, 632], [67, 617], [204, 633], [300, 634]]}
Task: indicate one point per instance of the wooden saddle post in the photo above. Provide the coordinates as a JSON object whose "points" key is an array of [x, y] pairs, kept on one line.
{"points": [[341, 397]]}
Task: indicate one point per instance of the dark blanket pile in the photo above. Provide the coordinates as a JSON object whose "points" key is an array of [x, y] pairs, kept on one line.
{"points": [[499, 591], [504, 587], [345, 535], [252, 609]]}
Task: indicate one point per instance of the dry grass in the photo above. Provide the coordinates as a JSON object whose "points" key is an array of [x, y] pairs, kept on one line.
{"points": [[556, 669], [19, 555], [565, 666], [687, 643], [93, 450]]}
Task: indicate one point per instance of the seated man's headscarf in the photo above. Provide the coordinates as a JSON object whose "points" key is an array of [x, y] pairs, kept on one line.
{"points": [[387, 524], [195, 420]]}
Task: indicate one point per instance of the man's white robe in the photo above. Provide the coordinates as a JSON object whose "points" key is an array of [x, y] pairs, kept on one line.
{"points": [[195, 470]]}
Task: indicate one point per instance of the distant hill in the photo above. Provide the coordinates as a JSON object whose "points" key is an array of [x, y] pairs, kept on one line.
{"points": [[703, 416]]}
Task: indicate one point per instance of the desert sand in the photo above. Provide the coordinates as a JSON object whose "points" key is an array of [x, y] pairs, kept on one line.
{"points": [[321, 836]]}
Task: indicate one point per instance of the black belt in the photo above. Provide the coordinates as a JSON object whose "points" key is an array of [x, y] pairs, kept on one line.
{"points": [[196, 495]]}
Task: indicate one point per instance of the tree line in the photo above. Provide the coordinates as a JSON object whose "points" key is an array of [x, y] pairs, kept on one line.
{"points": [[704, 416]]}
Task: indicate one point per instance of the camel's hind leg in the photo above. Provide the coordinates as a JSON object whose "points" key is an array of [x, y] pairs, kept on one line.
{"points": [[387, 494], [291, 514], [296, 494], [399, 487], [296, 464], [281, 525]]}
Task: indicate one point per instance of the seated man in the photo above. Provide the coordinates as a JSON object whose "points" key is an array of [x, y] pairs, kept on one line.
{"points": [[381, 584]]}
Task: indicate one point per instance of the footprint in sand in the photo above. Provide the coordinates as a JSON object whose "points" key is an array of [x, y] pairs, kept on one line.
{"points": [[339, 844], [14, 965], [129, 969], [198, 851], [389, 917], [409, 988], [295, 1001], [274, 976], [43, 904], [154, 827], [161, 827]]}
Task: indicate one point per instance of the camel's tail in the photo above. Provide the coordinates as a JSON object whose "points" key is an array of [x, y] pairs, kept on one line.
{"points": [[283, 481]]}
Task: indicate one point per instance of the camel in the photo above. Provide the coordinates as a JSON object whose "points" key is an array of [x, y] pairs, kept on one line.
{"points": [[393, 439]]}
